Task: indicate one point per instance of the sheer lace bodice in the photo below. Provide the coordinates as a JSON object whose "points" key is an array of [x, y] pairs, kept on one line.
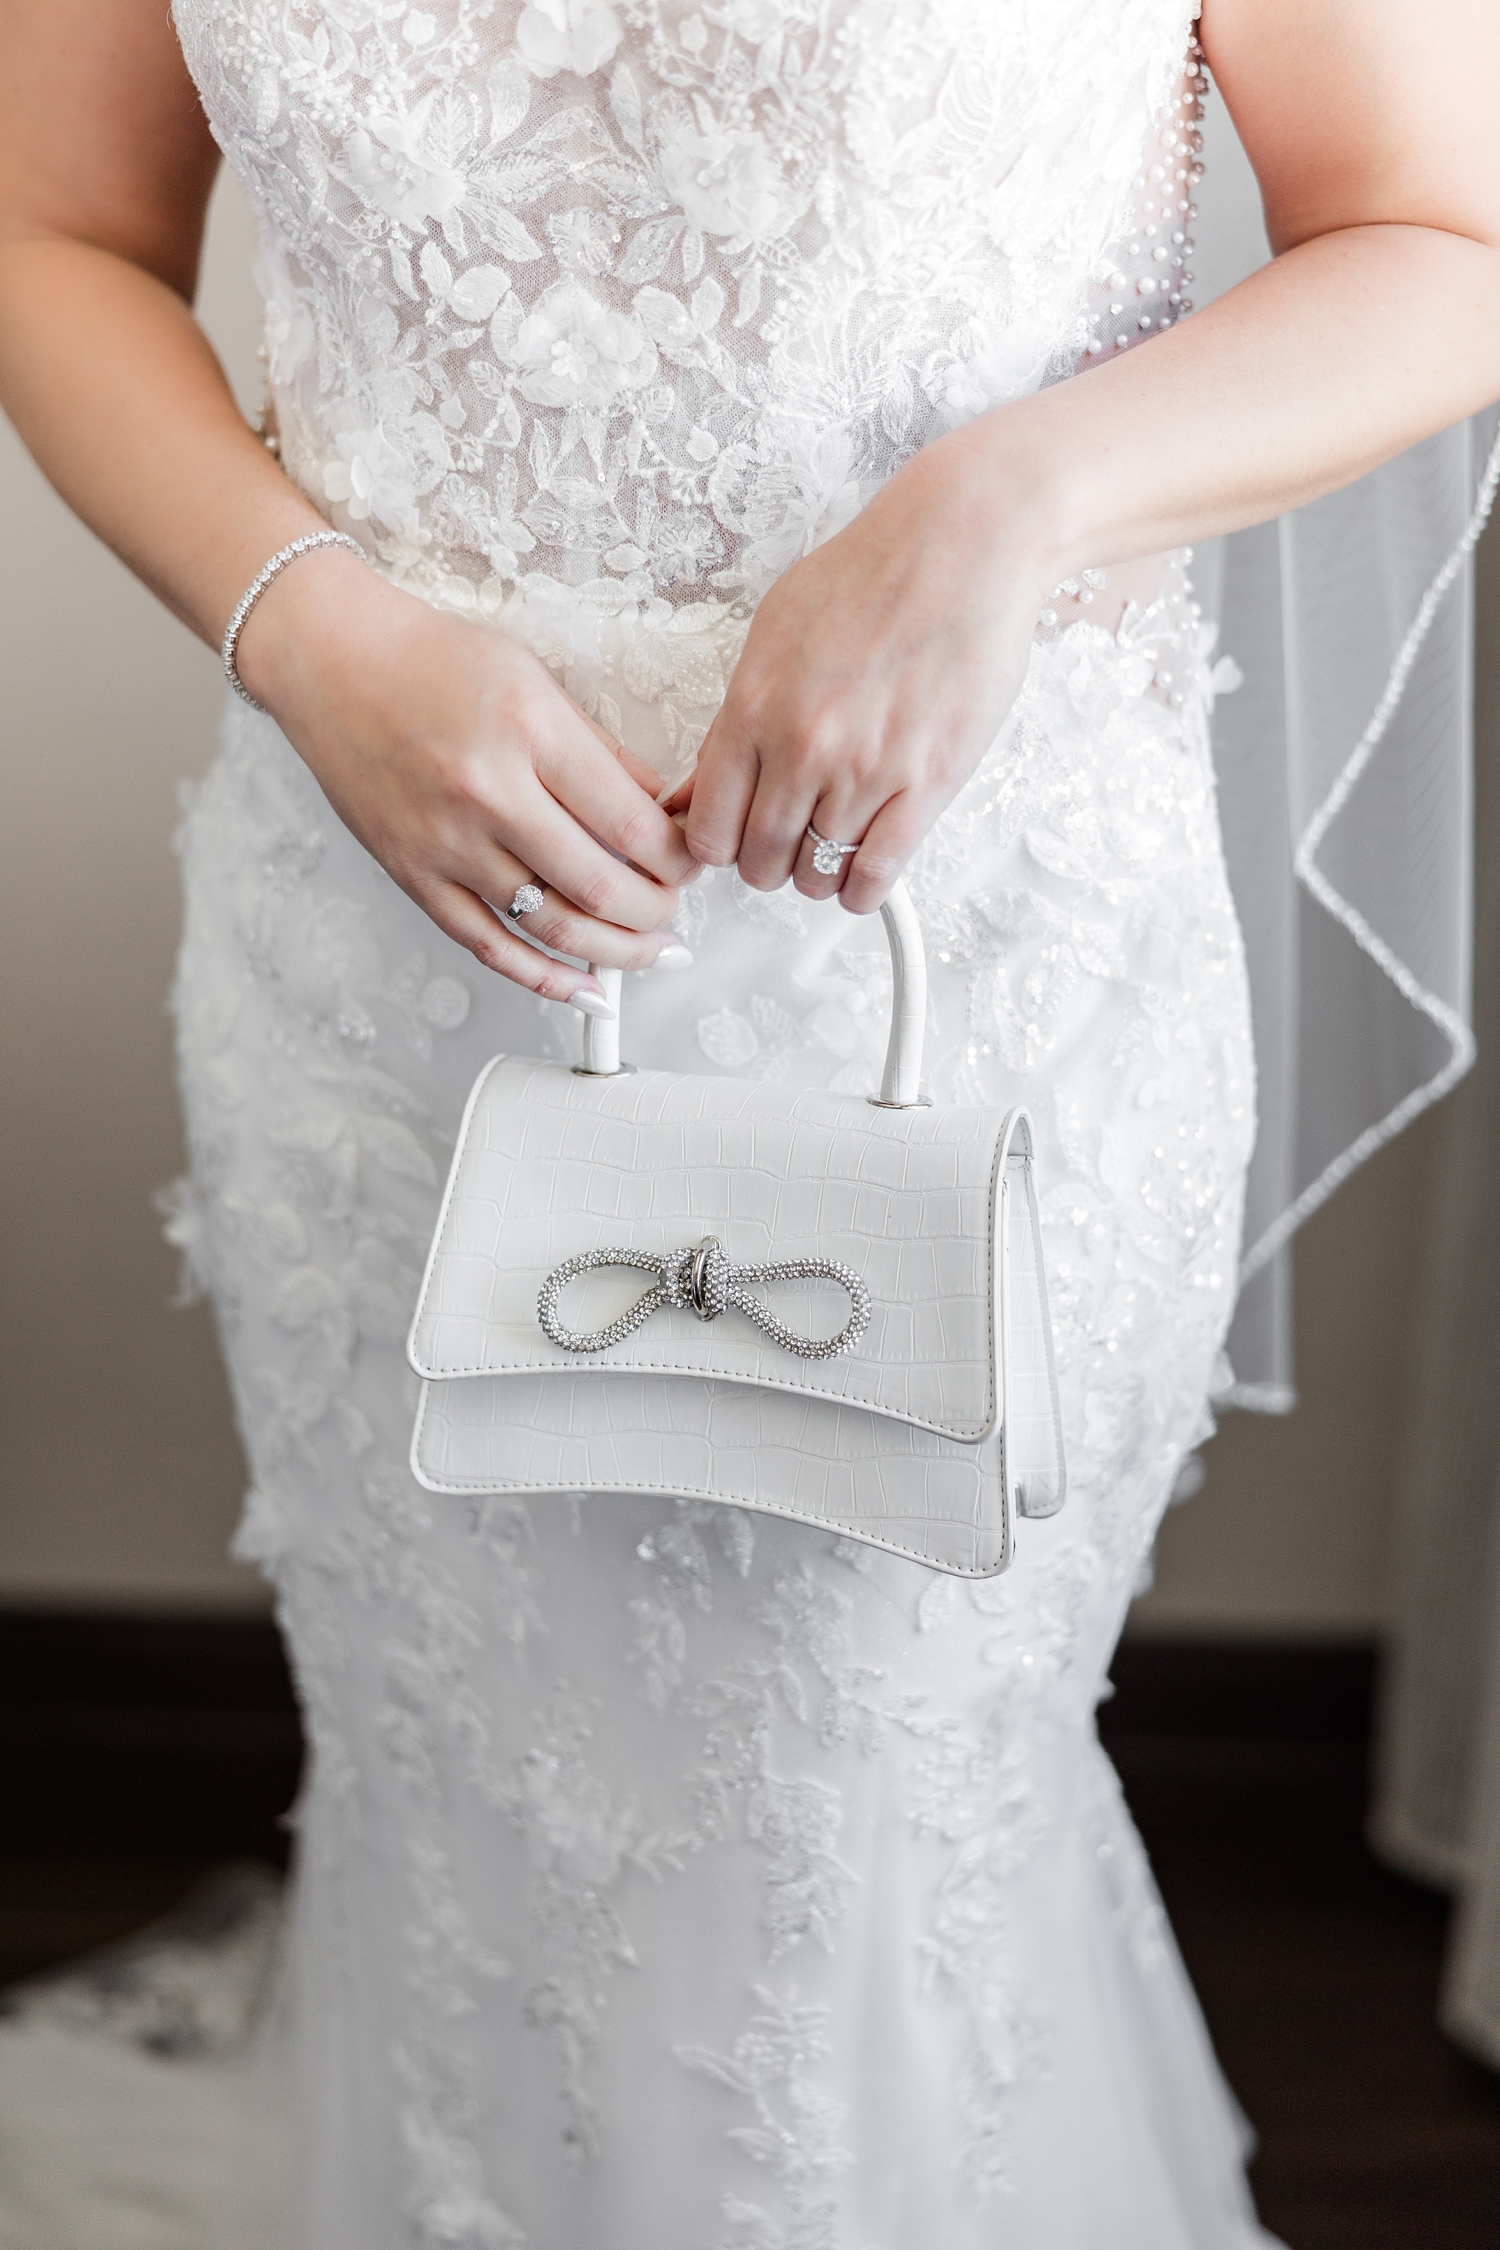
{"points": [[594, 316]]}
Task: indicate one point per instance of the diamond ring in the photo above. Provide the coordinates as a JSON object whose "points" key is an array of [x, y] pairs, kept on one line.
{"points": [[828, 857], [526, 901]]}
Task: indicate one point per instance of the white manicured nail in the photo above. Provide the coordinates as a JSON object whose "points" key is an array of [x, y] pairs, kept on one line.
{"points": [[591, 1004], [673, 955]]}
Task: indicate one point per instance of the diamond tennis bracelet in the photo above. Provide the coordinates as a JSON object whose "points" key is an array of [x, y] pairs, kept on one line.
{"points": [[258, 585]]}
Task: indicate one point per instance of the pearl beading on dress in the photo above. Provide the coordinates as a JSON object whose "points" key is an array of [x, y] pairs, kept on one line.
{"points": [[1156, 255], [1081, 589], [1154, 269]]}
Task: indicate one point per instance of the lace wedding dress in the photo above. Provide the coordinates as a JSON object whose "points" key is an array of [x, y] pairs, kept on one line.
{"points": [[673, 1879]]}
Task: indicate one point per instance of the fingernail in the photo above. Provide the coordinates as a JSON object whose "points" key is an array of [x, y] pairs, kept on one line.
{"points": [[673, 955], [591, 1004]]}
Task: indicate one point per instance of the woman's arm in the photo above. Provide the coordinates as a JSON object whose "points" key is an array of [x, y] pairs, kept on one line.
{"points": [[880, 668], [448, 750]]}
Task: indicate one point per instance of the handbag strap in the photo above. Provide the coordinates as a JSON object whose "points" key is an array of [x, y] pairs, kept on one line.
{"points": [[901, 1080]]}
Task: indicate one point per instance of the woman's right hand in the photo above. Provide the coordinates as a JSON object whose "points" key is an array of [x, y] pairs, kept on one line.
{"points": [[452, 754]]}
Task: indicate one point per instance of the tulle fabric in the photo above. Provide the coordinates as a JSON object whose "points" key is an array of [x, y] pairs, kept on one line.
{"points": [[146, 2093], [1345, 780]]}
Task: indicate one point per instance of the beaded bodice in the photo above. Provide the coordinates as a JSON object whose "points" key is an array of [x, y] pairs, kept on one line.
{"points": [[629, 303]]}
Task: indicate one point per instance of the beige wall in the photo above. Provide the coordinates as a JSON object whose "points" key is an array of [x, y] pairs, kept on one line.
{"points": [[121, 1471], [120, 1474]]}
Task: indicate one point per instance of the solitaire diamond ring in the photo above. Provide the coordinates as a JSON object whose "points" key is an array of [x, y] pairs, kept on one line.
{"points": [[828, 857], [526, 901]]}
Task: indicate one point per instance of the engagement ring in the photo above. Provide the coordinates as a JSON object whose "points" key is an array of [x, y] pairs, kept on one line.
{"points": [[828, 857], [526, 901]]}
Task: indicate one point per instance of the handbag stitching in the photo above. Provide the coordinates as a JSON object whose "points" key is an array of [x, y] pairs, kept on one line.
{"points": [[855, 1530]]}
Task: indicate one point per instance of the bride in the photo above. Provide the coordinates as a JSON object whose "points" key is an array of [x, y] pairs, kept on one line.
{"points": [[750, 422]]}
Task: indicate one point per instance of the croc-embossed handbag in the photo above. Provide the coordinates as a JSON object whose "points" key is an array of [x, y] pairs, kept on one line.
{"points": [[810, 1304]]}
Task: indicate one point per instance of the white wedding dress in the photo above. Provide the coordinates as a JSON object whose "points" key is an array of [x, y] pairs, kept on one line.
{"points": [[670, 1878]]}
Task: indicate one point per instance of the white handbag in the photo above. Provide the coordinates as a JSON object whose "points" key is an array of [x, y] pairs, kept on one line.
{"points": [[809, 1304]]}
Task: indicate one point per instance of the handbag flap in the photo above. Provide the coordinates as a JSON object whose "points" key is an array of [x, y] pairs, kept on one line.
{"points": [[552, 1164]]}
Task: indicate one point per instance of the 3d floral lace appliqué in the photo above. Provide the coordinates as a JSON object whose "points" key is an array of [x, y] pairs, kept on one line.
{"points": [[591, 318]]}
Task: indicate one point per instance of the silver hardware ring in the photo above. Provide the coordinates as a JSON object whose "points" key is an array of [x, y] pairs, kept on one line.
{"points": [[701, 1280], [528, 900], [828, 857]]}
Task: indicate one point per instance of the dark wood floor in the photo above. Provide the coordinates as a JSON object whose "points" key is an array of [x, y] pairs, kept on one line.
{"points": [[136, 1755], [1318, 1969]]}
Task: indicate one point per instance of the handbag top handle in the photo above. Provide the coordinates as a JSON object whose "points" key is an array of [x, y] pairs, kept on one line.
{"points": [[900, 1085]]}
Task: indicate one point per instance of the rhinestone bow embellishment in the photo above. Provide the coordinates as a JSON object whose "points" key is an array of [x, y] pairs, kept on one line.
{"points": [[701, 1280]]}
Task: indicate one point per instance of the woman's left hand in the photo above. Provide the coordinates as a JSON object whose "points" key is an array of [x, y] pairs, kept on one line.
{"points": [[876, 674]]}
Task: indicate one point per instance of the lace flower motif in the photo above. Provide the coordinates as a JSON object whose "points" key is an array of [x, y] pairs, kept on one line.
{"points": [[577, 352], [728, 183], [373, 478], [399, 173], [576, 35]]}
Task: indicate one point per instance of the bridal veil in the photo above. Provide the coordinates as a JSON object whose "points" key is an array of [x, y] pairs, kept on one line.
{"points": [[1345, 787]]}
